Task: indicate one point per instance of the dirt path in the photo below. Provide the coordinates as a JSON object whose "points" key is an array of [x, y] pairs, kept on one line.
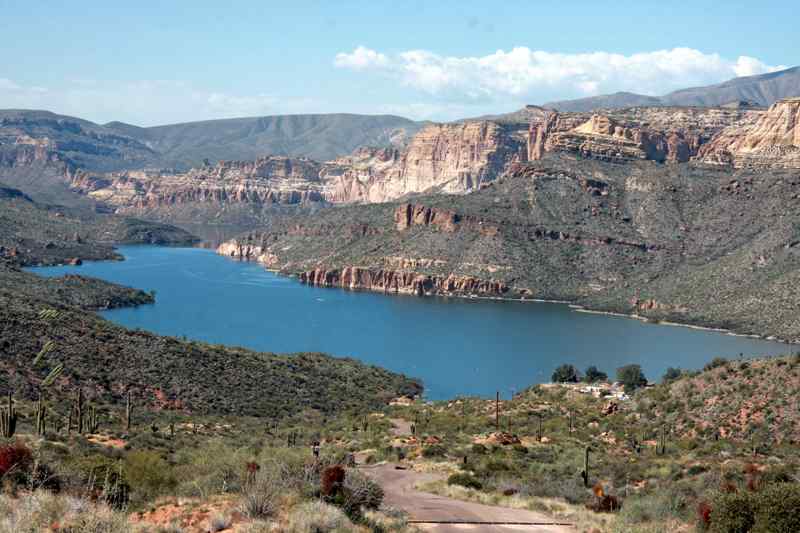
{"points": [[432, 512], [444, 515]]}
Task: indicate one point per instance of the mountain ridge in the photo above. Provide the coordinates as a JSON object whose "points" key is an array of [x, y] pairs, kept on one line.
{"points": [[763, 89]]}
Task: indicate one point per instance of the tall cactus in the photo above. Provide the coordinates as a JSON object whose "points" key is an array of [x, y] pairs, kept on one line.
{"points": [[79, 410], [41, 416], [539, 431], [661, 448], [8, 419], [93, 421], [585, 473], [128, 412]]}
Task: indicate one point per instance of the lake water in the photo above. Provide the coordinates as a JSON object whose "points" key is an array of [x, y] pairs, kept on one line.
{"points": [[456, 346]]}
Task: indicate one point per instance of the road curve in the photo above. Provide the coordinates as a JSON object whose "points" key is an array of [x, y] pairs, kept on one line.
{"points": [[444, 515]]}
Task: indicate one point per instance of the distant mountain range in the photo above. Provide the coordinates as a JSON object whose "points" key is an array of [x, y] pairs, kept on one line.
{"points": [[761, 90], [116, 145]]}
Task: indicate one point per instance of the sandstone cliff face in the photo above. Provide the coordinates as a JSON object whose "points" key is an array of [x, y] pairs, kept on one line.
{"points": [[667, 135], [265, 181], [402, 282], [450, 158], [773, 141]]}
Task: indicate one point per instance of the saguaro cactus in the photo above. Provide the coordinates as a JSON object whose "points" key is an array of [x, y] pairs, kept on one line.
{"points": [[79, 410], [8, 419], [41, 416], [93, 422], [661, 448], [585, 473], [539, 431], [128, 412]]}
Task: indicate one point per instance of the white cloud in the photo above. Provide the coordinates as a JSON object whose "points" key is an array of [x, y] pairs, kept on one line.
{"points": [[361, 58], [522, 73]]}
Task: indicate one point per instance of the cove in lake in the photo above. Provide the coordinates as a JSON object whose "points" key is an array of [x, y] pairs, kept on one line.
{"points": [[456, 346]]}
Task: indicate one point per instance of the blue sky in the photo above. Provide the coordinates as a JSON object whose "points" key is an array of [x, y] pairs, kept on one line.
{"points": [[153, 63]]}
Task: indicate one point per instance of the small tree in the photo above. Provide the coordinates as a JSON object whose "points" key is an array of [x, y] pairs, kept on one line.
{"points": [[671, 374], [593, 375], [565, 374], [631, 377]]}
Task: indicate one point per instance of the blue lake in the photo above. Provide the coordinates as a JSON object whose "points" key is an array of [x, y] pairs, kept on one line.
{"points": [[456, 346]]}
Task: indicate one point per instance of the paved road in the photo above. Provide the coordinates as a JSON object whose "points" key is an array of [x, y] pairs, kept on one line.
{"points": [[398, 486]]}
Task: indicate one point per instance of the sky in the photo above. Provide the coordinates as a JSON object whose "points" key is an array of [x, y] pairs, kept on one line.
{"points": [[150, 63]]}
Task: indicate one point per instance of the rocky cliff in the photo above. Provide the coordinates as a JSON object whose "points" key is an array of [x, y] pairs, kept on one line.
{"points": [[269, 180], [680, 242], [665, 135], [772, 141], [450, 158]]}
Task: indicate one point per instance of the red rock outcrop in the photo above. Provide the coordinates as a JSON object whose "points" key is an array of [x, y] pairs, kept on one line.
{"points": [[773, 141], [380, 280], [408, 215]]}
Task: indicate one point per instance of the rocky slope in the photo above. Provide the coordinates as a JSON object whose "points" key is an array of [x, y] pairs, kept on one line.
{"points": [[33, 233], [772, 141], [452, 158], [676, 242], [117, 146], [163, 372]]}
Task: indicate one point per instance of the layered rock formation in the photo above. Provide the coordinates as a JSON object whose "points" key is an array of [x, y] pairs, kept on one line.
{"points": [[455, 158], [402, 282], [772, 141], [269, 180], [450, 158], [665, 135]]}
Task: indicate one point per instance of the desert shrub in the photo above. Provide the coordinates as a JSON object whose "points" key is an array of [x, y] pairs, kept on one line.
{"points": [[777, 508], [148, 474], [631, 377], [16, 461], [434, 450], [671, 374], [261, 497], [359, 493], [332, 480], [695, 470], [38, 511], [565, 373], [658, 506], [387, 521], [732, 513], [715, 363], [317, 517], [593, 375], [479, 449], [464, 480]]}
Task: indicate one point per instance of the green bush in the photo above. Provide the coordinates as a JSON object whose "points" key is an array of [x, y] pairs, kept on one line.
{"points": [[434, 450], [671, 374], [148, 474], [631, 377], [464, 480], [479, 449], [778, 508], [715, 363], [732, 513], [593, 375], [565, 374]]}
